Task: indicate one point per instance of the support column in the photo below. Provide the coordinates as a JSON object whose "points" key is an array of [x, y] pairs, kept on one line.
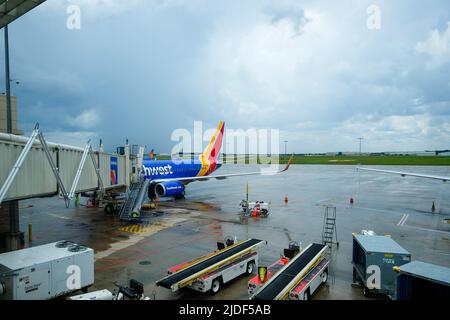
{"points": [[10, 236]]}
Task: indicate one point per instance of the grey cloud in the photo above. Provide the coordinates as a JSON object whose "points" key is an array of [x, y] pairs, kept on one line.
{"points": [[150, 68], [286, 10]]}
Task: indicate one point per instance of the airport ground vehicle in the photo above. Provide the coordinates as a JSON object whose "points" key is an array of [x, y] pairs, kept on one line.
{"points": [[255, 283], [135, 291], [45, 272], [255, 208], [419, 280], [113, 202], [295, 275], [211, 272], [373, 260]]}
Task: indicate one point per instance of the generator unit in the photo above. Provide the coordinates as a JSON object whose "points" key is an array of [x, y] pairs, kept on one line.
{"points": [[373, 260], [46, 271]]}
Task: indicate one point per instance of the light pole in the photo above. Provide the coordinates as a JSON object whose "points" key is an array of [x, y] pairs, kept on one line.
{"points": [[285, 149], [360, 141], [13, 242], [8, 85]]}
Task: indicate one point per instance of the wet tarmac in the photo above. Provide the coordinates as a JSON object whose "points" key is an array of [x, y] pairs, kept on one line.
{"points": [[178, 231]]}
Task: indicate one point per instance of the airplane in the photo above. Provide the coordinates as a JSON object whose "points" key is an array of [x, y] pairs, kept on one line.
{"points": [[403, 174], [169, 178], [437, 152]]}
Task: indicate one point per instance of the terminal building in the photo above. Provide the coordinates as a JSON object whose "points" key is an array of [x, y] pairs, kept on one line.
{"points": [[14, 117]]}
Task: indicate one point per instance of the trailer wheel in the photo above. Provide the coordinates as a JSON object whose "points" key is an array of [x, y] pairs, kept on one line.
{"points": [[109, 208], [306, 295], [325, 276], [250, 267], [366, 292], [215, 287]]}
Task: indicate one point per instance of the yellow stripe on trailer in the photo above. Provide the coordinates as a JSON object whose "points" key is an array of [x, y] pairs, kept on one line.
{"points": [[212, 254], [284, 292], [300, 278], [189, 280]]}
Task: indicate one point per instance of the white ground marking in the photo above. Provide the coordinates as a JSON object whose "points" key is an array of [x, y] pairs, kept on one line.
{"points": [[403, 220]]}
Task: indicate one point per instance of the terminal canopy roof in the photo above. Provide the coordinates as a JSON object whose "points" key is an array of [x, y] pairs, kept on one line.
{"points": [[10, 10]]}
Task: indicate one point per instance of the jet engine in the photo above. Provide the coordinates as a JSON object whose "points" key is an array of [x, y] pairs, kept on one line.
{"points": [[170, 189]]}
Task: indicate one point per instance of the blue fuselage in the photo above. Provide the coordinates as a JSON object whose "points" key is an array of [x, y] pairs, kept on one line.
{"points": [[167, 169]]}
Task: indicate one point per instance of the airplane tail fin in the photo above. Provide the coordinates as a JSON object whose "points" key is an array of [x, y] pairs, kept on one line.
{"points": [[212, 152]]}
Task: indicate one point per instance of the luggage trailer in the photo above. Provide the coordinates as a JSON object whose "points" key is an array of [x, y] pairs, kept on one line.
{"points": [[210, 272], [296, 280], [255, 283], [309, 284]]}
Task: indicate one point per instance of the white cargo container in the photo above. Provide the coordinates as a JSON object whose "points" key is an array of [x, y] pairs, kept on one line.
{"points": [[46, 271]]}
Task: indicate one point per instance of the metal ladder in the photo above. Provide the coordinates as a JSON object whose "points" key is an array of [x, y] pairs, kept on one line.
{"points": [[125, 211], [329, 227]]}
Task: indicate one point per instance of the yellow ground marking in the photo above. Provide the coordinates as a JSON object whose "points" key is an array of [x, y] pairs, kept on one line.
{"points": [[138, 228], [152, 228]]}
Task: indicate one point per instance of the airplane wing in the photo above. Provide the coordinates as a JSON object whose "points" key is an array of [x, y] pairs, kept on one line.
{"points": [[403, 174], [225, 176]]}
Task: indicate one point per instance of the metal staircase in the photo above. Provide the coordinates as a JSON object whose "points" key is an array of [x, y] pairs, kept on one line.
{"points": [[125, 211], [136, 195], [329, 231]]}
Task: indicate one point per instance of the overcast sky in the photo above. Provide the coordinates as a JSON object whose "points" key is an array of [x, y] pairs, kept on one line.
{"points": [[139, 69]]}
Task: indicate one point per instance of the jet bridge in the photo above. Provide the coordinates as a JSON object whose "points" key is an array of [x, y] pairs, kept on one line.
{"points": [[278, 287], [30, 167]]}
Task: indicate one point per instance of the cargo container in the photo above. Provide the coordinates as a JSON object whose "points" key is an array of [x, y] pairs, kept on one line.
{"points": [[46, 271], [419, 280], [373, 260]]}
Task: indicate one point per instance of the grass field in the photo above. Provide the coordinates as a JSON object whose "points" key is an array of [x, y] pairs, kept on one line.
{"points": [[374, 160], [406, 160]]}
